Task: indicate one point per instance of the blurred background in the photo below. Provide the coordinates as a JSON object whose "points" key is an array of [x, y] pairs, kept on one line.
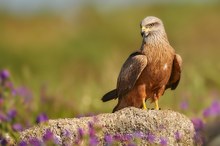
{"points": [[69, 53]]}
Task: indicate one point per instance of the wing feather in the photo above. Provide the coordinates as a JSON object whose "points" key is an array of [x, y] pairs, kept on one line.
{"points": [[176, 73], [130, 72]]}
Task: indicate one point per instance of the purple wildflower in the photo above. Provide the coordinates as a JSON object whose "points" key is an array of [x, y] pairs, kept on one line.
{"points": [[184, 105], [24, 92], [91, 129], [77, 141], [66, 133], [163, 141], [207, 112], [108, 139], [198, 124], [56, 140], [126, 137], [48, 135], [42, 118], [17, 127], [177, 136], [212, 110], [13, 92], [199, 139], [117, 137], [93, 141], [4, 74], [12, 114], [216, 106], [22, 143], [80, 136], [81, 133], [150, 137], [138, 135], [35, 142], [3, 142]]}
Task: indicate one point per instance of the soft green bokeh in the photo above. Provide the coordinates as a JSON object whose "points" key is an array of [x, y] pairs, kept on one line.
{"points": [[76, 58]]}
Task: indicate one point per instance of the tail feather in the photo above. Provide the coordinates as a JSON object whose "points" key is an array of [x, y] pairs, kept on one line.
{"points": [[110, 95]]}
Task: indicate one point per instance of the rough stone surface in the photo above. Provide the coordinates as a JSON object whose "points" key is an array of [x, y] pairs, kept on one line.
{"points": [[161, 124]]}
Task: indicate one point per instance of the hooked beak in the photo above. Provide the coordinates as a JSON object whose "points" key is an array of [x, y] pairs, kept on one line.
{"points": [[144, 31]]}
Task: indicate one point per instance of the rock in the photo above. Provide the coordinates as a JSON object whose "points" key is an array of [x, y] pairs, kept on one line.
{"points": [[145, 127]]}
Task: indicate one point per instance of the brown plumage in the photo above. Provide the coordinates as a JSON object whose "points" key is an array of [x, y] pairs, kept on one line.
{"points": [[149, 71]]}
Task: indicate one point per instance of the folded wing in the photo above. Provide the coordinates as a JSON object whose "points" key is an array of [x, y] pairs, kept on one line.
{"points": [[175, 73], [130, 72]]}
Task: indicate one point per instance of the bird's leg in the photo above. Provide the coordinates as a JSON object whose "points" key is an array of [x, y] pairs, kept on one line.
{"points": [[156, 104], [144, 104]]}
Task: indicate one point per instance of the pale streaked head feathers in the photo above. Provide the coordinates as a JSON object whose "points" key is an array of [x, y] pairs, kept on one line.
{"points": [[150, 25]]}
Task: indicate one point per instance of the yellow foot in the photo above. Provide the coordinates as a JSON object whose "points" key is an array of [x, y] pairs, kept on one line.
{"points": [[144, 104], [156, 104]]}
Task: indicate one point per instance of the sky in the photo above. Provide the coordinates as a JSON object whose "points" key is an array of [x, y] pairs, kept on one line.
{"points": [[32, 6]]}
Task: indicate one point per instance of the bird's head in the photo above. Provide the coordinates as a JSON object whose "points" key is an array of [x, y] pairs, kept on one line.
{"points": [[151, 25]]}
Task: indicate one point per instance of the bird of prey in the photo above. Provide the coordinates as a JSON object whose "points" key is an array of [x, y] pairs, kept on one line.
{"points": [[149, 71]]}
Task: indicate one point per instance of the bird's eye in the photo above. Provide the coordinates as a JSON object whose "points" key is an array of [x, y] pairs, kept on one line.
{"points": [[152, 24], [149, 25]]}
